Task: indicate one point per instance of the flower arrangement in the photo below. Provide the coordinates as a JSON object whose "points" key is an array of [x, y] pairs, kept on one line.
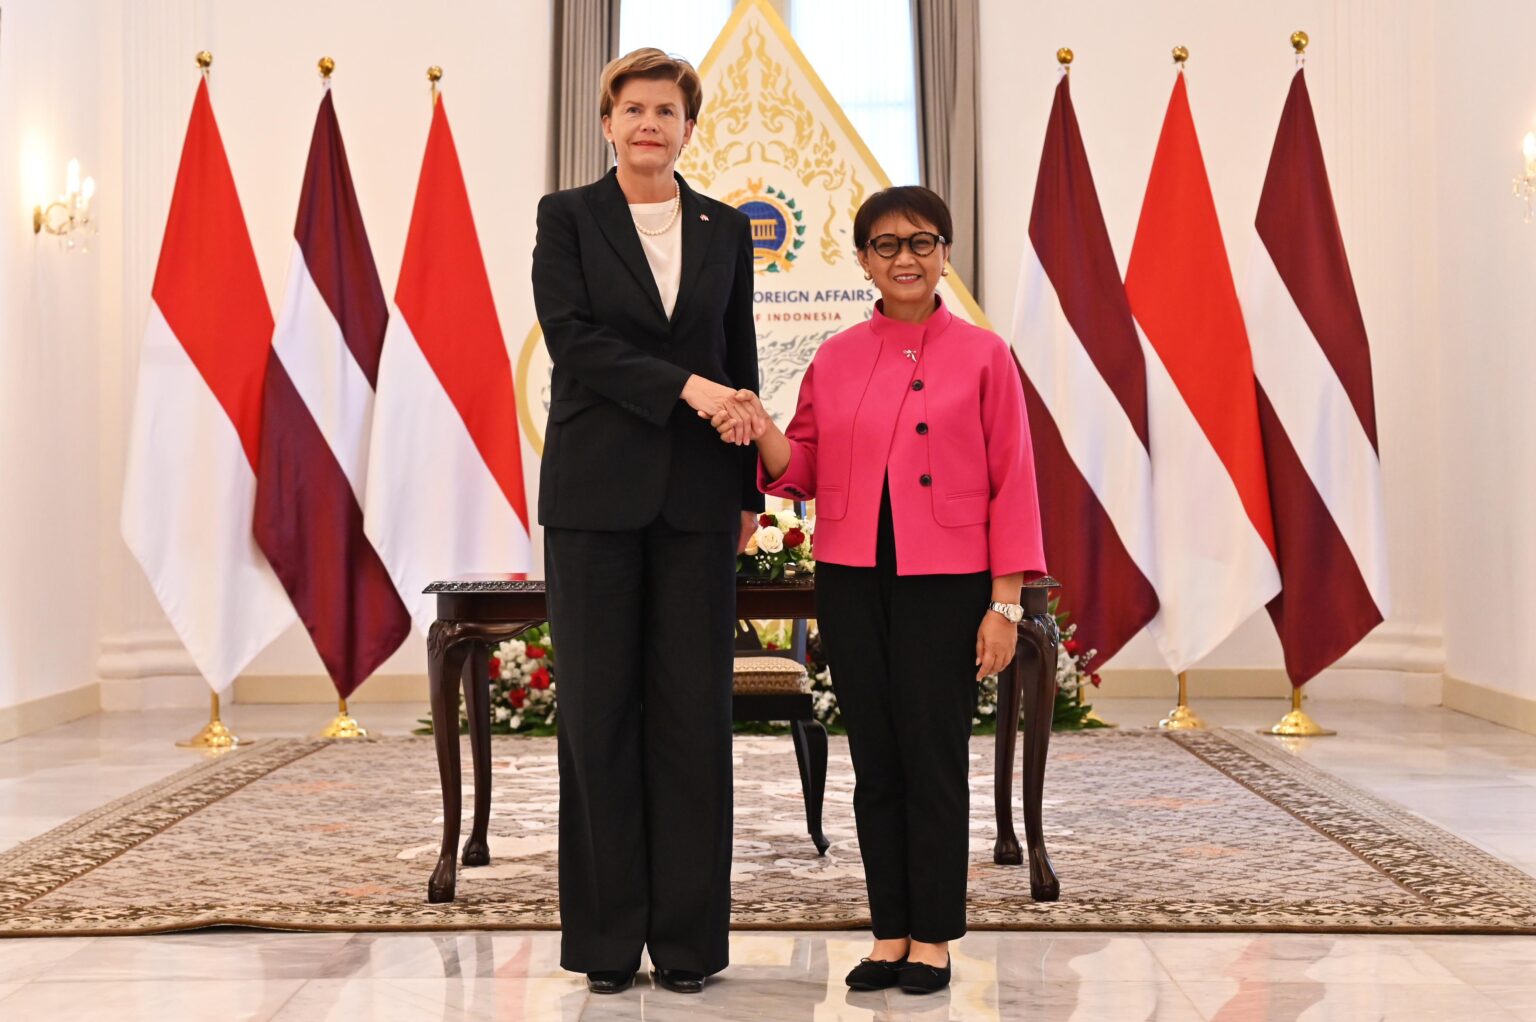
{"points": [[781, 546], [522, 687]]}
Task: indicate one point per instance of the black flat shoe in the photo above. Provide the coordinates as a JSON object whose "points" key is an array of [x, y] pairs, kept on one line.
{"points": [[680, 981], [917, 978], [874, 974], [610, 982]]}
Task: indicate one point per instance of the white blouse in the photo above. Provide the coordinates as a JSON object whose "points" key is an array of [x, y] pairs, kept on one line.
{"points": [[663, 251]]}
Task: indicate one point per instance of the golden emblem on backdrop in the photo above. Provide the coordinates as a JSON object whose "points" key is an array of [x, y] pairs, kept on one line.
{"points": [[771, 141]]}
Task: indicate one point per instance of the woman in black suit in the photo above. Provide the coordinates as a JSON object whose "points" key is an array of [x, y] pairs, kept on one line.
{"points": [[644, 293]]}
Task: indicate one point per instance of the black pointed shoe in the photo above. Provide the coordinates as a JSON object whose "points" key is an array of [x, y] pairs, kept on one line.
{"points": [[874, 974], [918, 978], [680, 981], [610, 982]]}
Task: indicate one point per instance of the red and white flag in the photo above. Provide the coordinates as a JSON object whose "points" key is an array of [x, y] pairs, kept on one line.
{"points": [[316, 420], [1085, 384], [196, 434], [1214, 534], [445, 475], [1317, 409]]}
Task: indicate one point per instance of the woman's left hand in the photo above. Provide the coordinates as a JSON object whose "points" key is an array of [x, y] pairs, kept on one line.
{"points": [[996, 640]]}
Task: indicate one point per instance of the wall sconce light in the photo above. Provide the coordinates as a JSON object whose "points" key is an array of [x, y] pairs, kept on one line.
{"points": [[69, 216], [1525, 184]]}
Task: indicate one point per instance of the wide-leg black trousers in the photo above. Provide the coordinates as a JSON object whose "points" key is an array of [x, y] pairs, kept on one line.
{"points": [[902, 650], [643, 624]]}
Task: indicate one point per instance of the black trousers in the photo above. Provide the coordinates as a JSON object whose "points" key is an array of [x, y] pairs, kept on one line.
{"points": [[643, 623], [902, 650]]}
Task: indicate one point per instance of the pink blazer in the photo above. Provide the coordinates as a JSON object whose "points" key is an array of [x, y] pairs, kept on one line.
{"points": [[949, 427]]}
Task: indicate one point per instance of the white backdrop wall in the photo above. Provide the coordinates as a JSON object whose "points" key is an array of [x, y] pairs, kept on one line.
{"points": [[1486, 101], [1371, 73], [265, 91], [49, 414], [1420, 147]]}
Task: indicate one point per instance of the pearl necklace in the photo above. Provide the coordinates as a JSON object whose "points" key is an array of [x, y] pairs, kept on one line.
{"points": [[677, 205]]}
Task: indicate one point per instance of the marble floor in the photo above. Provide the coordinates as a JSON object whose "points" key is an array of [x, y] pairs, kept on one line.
{"points": [[1475, 779]]}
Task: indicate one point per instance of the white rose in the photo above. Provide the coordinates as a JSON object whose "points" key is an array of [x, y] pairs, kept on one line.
{"points": [[751, 550], [787, 520], [770, 539]]}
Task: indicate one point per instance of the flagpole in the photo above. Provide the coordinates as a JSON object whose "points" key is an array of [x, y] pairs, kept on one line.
{"points": [[1181, 717], [214, 734]]}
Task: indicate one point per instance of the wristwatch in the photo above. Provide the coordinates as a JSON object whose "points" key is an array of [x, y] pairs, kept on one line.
{"points": [[1014, 612]]}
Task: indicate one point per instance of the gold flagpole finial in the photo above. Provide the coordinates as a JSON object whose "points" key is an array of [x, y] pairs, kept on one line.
{"points": [[204, 61], [1064, 58], [434, 75], [1180, 55], [327, 65], [1299, 41]]}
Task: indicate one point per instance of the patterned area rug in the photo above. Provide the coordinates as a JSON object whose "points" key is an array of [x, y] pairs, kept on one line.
{"points": [[1203, 831]]}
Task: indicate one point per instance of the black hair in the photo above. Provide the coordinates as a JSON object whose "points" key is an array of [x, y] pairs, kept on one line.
{"points": [[911, 201]]}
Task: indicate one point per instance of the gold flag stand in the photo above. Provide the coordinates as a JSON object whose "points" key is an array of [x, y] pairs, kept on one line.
{"points": [[214, 734], [1181, 717], [344, 725], [1297, 724]]}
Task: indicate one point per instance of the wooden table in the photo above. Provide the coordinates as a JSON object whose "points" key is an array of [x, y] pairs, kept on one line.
{"points": [[475, 613]]}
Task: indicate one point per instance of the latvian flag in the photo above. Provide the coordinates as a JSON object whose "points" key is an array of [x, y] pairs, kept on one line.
{"points": [[445, 478], [1215, 537], [1316, 406], [317, 416], [196, 434], [1085, 384]]}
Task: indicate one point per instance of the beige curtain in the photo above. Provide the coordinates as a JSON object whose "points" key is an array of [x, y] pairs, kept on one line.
{"points": [[586, 37], [944, 36]]}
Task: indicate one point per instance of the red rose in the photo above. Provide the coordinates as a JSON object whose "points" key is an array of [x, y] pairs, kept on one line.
{"points": [[1072, 646], [771, 645], [1095, 679], [793, 538], [517, 697], [495, 667], [539, 678], [765, 519], [535, 652]]}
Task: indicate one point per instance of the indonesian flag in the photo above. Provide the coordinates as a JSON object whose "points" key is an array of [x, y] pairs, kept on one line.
{"points": [[1214, 536], [1317, 410], [445, 478], [196, 434], [1085, 384], [316, 418]]}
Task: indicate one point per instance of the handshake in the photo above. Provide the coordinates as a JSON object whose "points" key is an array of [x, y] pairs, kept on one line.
{"points": [[737, 415]]}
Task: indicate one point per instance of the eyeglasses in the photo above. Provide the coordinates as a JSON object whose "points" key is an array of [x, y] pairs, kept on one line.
{"points": [[888, 246]]}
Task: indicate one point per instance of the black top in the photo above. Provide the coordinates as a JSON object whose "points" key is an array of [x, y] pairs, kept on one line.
{"points": [[622, 448]]}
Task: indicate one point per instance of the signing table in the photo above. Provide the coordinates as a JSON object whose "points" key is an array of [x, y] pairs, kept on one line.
{"points": [[475, 613]]}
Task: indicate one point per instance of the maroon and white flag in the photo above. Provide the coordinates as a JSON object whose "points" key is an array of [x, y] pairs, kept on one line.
{"points": [[1317, 410], [317, 415], [1085, 384]]}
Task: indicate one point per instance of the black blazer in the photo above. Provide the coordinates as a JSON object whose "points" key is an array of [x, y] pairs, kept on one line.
{"points": [[622, 448]]}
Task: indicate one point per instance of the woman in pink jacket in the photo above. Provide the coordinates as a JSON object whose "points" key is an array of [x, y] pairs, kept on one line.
{"points": [[911, 436]]}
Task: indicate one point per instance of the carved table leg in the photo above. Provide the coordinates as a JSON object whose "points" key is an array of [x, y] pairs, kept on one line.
{"points": [[445, 663], [477, 700], [811, 754], [1006, 851], [1040, 634]]}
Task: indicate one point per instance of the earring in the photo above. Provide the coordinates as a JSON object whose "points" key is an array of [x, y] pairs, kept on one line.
{"points": [[944, 272], [868, 277]]}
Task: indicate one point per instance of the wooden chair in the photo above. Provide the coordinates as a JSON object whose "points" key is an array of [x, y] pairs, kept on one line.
{"points": [[774, 685]]}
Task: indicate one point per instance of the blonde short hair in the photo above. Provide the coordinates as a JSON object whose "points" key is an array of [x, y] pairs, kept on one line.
{"points": [[649, 62]]}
